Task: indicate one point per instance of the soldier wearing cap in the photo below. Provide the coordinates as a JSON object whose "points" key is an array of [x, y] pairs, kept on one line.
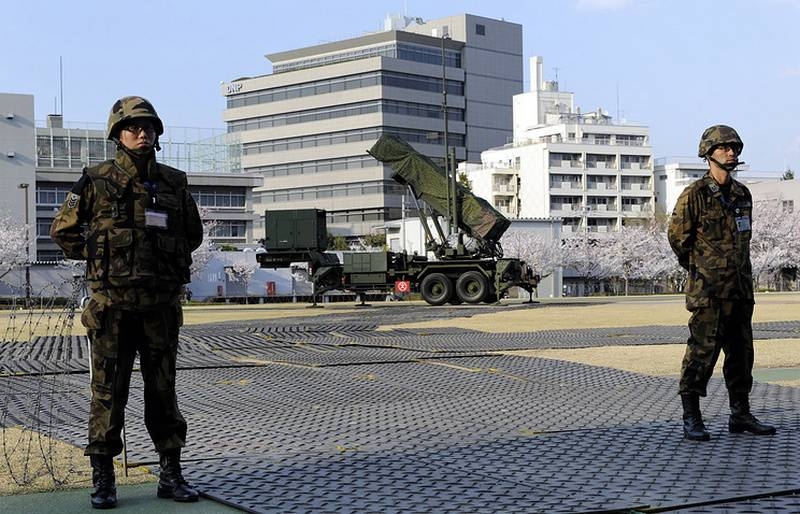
{"points": [[710, 233], [135, 224]]}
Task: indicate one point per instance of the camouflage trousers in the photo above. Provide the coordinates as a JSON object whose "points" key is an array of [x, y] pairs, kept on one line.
{"points": [[116, 337], [727, 326]]}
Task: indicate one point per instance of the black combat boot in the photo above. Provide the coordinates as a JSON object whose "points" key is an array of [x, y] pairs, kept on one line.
{"points": [[742, 420], [693, 427], [171, 483], [105, 487]]}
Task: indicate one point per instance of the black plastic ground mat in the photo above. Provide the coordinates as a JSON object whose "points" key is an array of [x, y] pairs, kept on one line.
{"points": [[309, 343], [316, 355], [332, 415], [783, 504], [468, 434]]}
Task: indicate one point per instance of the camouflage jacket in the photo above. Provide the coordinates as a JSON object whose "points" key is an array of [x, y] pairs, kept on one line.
{"points": [[710, 234], [138, 235]]}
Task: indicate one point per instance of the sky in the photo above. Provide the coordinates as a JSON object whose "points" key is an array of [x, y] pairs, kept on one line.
{"points": [[676, 66]]}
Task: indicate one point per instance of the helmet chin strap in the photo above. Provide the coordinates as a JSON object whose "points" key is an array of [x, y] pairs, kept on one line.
{"points": [[728, 166], [138, 154]]}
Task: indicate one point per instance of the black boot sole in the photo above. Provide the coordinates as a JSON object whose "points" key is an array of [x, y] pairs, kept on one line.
{"points": [[167, 494], [739, 430], [105, 505]]}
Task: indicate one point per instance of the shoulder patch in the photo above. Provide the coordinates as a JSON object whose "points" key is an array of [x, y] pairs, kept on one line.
{"points": [[72, 200]]}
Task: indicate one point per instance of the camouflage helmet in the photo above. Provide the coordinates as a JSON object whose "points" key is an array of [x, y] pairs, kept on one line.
{"points": [[719, 135], [130, 108]]}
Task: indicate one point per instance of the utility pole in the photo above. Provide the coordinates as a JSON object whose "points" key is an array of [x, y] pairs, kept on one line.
{"points": [[446, 145]]}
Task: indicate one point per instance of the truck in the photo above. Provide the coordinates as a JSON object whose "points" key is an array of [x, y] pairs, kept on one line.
{"points": [[467, 266]]}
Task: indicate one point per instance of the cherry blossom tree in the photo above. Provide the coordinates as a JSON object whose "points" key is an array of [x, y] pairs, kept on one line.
{"points": [[542, 254], [203, 254], [12, 244], [774, 246], [242, 271], [641, 253], [588, 253]]}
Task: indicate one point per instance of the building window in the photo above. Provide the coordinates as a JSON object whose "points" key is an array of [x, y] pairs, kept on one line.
{"points": [[350, 136], [51, 195], [229, 228], [43, 228], [219, 199], [341, 111], [385, 78], [405, 51], [480, 29], [342, 190]]}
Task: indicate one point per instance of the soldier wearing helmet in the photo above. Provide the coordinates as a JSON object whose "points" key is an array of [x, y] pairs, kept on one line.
{"points": [[135, 224], [710, 232]]}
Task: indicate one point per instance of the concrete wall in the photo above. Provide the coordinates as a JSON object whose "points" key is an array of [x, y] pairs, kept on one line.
{"points": [[17, 161]]}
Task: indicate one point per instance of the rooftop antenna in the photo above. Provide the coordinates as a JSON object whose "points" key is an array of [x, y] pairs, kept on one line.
{"points": [[61, 83], [618, 103]]}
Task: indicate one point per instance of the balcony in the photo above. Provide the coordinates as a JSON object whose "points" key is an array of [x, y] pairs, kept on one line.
{"points": [[567, 165], [644, 209], [566, 186], [601, 207], [565, 209], [601, 186], [504, 188]]}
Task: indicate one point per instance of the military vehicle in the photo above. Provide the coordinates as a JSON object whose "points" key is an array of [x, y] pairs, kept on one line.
{"points": [[467, 267]]}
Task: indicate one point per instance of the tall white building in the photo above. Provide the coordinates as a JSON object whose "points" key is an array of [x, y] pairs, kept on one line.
{"points": [[581, 167], [306, 126]]}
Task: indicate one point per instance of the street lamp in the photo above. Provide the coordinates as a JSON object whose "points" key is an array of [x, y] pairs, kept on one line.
{"points": [[24, 187]]}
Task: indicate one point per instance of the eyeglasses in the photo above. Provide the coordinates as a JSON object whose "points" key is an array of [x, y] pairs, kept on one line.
{"points": [[137, 129], [729, 146]]}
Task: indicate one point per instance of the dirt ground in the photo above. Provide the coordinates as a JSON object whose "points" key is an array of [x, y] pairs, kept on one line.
{"points": [[34, 460]]}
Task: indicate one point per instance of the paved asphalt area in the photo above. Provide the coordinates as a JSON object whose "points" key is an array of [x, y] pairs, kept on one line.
{"points": [[325, 414]]}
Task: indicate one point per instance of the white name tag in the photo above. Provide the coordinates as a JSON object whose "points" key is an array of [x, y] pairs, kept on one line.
{"points": [[155, 219], [743, 223]]}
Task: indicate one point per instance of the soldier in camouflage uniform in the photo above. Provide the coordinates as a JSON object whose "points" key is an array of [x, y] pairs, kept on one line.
{"points": [[710, 233], [135, 224]]}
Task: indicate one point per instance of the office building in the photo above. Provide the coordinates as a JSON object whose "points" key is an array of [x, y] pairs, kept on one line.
{"points": [[306, 126]]}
